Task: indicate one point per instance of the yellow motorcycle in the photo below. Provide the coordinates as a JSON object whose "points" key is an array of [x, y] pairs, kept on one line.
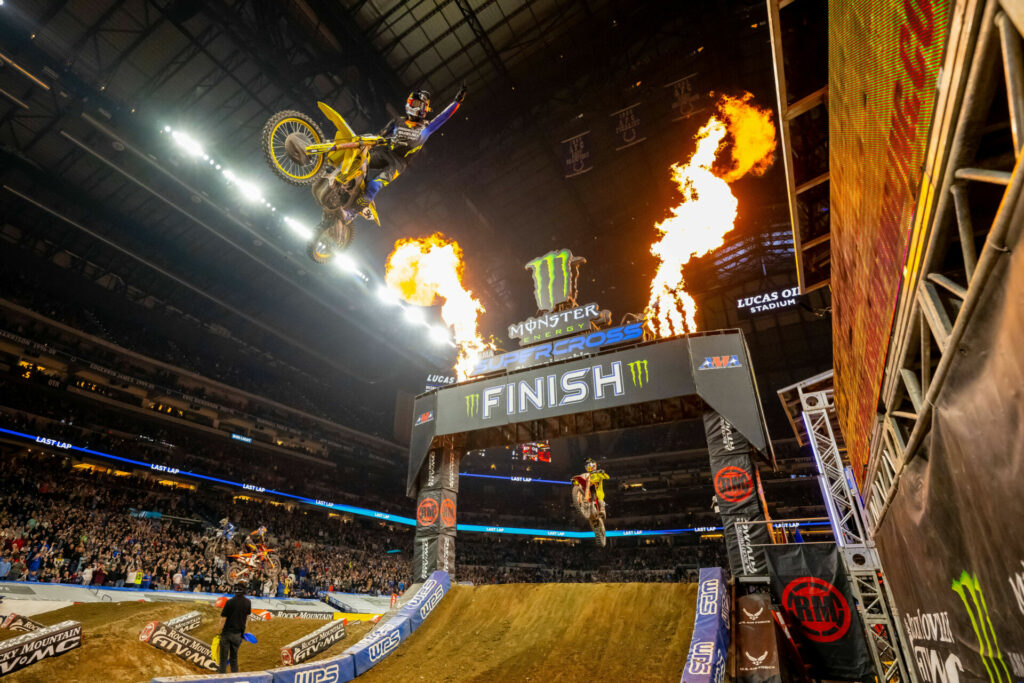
{"points": [[295, 149]]}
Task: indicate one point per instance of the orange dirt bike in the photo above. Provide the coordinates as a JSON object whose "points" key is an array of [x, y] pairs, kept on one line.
{"points": [[593, 510], [247, 566], [295, 149]]}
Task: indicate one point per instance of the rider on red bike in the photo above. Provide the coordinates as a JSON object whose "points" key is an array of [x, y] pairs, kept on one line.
{"points": [[591, 484]]}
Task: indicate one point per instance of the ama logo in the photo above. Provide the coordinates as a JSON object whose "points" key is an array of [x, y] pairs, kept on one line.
{"points": [[818, 607], [425, 417], [720, 362], [426, 513], [733, 484]]}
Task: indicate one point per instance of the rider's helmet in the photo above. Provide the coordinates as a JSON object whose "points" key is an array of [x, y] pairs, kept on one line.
{"points": [[417, 105], [224, 522], [262, 529], [590, 465]]}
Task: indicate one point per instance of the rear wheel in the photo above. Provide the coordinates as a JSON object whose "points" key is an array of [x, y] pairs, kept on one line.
{"points": [[335, 235], [284, 138], [237, 573]]}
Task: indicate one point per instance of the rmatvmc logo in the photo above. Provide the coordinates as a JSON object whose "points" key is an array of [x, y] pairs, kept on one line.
{"points": [[720, 362], [818, 607]]}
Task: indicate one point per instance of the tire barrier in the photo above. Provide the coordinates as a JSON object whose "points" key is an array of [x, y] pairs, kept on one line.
{"points": [[709, 645], [313, 644], [164, 637], [22, 651], [16, 622]]}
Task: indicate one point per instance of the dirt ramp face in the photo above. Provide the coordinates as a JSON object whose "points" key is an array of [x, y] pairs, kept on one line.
{"points": [[549, 632]]}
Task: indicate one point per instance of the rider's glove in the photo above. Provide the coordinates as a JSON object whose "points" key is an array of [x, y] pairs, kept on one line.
{"points": [[461, 95]]}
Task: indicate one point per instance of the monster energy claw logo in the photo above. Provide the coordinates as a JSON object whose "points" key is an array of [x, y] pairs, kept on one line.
{"points": [[472, 405], [552, 278], [638, 373], [969, 589]]}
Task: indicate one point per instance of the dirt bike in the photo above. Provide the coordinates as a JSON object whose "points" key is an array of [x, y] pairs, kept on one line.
{"points": [[593, 510], [294, 148], [248, 566], [218, 545]]}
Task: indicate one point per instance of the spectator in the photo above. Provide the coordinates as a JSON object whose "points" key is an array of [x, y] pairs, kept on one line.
{"points": [[5, 567]]}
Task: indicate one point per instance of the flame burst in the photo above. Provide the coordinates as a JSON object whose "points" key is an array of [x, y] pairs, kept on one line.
{"points": [[698, 225], [424, 270]]}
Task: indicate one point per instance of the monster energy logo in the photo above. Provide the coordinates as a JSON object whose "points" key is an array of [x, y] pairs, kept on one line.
{"points": [[552, 278], [472, 405], [969, 589], [638, 373]]}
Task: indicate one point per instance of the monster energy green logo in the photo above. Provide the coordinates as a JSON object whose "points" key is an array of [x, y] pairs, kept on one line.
{"points": [[472, 405], [638, 373], [969, 589], [552, 279]]}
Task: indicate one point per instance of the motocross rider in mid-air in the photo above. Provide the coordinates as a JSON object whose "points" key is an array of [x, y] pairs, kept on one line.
{"points": [[591, 487], [402, 139]]}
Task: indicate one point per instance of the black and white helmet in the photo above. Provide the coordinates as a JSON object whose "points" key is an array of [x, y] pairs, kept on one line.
{"points": [[418, 105]]}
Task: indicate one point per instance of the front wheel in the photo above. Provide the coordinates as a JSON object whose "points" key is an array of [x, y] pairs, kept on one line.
{"points": [[285, 136], [237, 573]]}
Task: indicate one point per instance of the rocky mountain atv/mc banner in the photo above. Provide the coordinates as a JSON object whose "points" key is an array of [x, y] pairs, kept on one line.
{"points": [[809, 583]]}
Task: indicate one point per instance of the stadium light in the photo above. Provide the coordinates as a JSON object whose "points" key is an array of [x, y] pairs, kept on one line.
{"points": [[298, 228], [187, 144], [440, 334], [248, 190], [387, 295], [344, 263], [414, 314]]}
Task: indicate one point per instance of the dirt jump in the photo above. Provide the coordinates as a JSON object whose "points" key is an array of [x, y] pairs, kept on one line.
{"points": [[549, 632], [112, 653]]}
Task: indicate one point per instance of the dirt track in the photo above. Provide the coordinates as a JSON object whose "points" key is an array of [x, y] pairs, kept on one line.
{"points": [[549, 632], [112, 653]]}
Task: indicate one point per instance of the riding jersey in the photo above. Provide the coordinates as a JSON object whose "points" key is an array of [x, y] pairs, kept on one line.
{"points": [[593, 479], [406, 137]]}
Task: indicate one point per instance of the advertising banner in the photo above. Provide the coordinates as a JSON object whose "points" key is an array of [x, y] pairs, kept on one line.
{"points": [[312, 644], [757, 654], [379, 643], [436, 511], [709, 646], [432, 552], [440, 470], [247, 677], [16, 622], [340, 669], [182, 645], [810, 584], [186, 622], [426, 599], [735, 490], [961, 507], [21, 651]]}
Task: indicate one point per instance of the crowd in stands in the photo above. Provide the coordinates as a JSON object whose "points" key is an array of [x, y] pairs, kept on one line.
{"points": [[61, 525], [73, 525]]}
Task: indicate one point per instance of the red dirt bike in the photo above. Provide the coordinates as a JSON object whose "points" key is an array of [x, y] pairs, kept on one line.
{"points": [[247, 566], [593, 510]]}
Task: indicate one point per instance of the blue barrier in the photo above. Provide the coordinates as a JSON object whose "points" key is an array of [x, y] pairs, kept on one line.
{"points": [[247, 677], [426, 599], [709, 645], [386, 638], [338, 669]]}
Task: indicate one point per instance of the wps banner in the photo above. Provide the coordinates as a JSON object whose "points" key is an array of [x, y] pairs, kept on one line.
{"points": [[757, 653], [810, 584], [735, 489], [709, 645]]}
